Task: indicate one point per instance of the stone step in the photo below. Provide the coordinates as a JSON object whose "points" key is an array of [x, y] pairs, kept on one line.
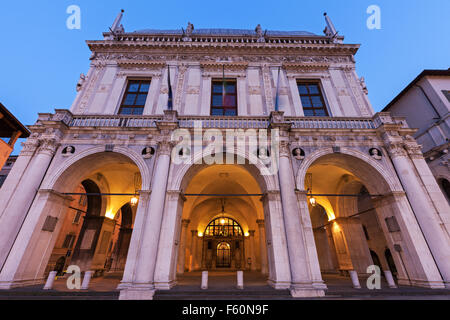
{"points": [[221, 297], [51, 293], [223, 294]]}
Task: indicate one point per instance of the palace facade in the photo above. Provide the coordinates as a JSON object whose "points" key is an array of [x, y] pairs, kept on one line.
{"points": [[329, 187]]}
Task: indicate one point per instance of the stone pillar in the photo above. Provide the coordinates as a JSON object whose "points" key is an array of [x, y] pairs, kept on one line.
{"points": [[142, 284], [168, 250], [204, 280], [121, 250], [279, 270], [262, 246], [86, 246], [301, 282], [193, 250], [240, 280], [411, 254], [32, 248], [136, 239], [252, 249], [430, 185], [86, 280], [17, 206], [355, 279], [425, 213], [145, 267], [17, 172], [181, 265], [389, 279], [358, 248], [308, 238], [50, 280]]}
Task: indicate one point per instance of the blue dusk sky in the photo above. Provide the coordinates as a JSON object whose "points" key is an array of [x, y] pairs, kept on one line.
{"points": [[41, 59]]}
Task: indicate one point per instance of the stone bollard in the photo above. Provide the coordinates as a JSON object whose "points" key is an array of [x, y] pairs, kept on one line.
{"points": [[50, 280], [355, 280], [240, 279], [390, 279], [86, 280], [205, 280]]}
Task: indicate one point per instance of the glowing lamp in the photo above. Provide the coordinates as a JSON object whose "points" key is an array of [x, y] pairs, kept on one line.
{"points": [[110, 215], [222, 221], [247, 234], [200, 234], [312, 201], [134, 201]]}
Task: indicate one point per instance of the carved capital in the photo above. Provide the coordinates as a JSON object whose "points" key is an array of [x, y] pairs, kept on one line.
{"points": [[396, 150], [29, 147], [270, 195], [176, 195], [284, 147], [48, 146], [414, 150], [165, 147], [301, 195]]}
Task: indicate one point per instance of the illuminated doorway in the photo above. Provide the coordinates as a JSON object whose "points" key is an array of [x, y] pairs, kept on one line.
{"points": [[223, 255]]}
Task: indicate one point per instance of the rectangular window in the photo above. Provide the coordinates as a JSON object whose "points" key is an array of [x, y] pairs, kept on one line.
{"points": [[50, 224], [446, 94], [83, 199], [2, 179], [76, 219], [69, 241], [224, 98], [312, 99], [134, 98]]}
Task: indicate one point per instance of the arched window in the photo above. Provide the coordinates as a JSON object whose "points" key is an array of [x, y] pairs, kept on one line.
{"points": [[445, 186], [223, 227]]}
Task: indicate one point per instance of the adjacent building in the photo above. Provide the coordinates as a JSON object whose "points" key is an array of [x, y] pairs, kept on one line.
{"points": [[224, 149], [10, 130], [425, 104], [7, 168]]}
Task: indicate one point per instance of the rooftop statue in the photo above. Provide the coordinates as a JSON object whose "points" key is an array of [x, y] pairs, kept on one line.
{"points": [[188, 33], [260, 33]]}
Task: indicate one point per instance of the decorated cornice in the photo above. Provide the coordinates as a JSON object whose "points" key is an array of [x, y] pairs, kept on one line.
{"points": [[227, 66], [294, 46], [216, 60], [305, 67], [131, 63]]}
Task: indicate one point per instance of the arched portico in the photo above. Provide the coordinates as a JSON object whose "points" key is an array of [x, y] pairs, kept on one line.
{"points": [[252, 212], [102, 175], [361, 225]]}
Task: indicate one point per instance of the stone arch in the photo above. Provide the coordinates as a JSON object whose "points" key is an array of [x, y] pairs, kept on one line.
{"points": [[51, 181], [180, 177], [444, 185], [200, 222], [181, 174], [387, 180]]}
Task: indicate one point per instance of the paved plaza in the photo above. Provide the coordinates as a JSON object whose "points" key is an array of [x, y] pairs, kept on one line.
{"points": [[222, 286]]}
